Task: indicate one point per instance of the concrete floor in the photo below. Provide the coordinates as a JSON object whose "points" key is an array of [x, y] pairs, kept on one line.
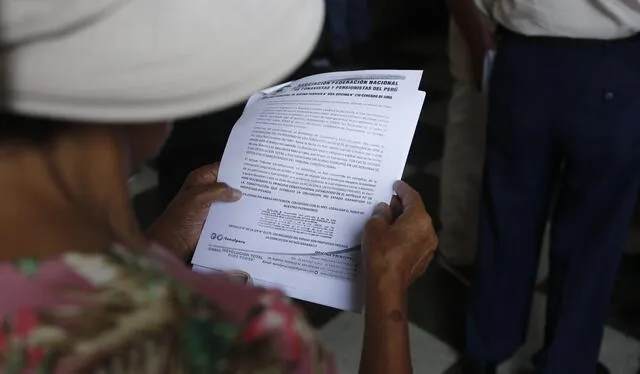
{"points": [[437, 299]]}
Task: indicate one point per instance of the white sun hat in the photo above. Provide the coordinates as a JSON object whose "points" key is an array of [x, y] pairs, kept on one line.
{"points": [[124, 61]]}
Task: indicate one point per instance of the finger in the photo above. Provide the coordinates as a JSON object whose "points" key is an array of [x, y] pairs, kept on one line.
{"points": [[384, 212], [207, 174], [409, 197], [206, 195], [380, 219], [396, 207]]}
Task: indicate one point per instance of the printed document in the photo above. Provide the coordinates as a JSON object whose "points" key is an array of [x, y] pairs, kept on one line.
{"points": [[312, 158]]}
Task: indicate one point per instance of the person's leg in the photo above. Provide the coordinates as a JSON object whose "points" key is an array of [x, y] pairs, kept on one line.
{"points": [[598, 193], [463, 158], [337, 18], [520, 167], [359, 20]]}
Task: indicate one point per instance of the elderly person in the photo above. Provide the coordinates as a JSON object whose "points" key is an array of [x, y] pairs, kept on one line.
{"points": [[89, 89]]}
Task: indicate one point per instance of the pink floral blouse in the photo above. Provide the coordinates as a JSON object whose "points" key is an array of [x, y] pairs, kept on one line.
{"points": [[121, 311]]}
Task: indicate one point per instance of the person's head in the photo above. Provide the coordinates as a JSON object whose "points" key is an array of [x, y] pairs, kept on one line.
{"points": [[85, 85], [136, 143], [133, 66]]}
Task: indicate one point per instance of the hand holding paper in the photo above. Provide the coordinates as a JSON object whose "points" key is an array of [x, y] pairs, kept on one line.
{"points": [[398, 246], [312, 158]]}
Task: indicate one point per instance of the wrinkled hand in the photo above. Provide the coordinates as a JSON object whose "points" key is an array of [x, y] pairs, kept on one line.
{"points": [[399, 241], [180, 225]]}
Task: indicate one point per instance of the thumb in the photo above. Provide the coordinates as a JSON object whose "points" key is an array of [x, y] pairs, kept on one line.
{"points": [[204, 175], [206, 195]]}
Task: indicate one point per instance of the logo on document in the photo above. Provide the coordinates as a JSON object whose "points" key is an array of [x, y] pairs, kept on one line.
{"points": [[215, 236]]}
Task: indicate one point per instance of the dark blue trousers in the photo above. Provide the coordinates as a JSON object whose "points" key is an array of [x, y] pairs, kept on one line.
{"points": [[563, 143]]}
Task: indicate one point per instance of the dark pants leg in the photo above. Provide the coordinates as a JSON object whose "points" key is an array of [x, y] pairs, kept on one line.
{"points": [[337, 18], [553, 100], [359, 21], [522, 161], [597, 196], [349, 21]]}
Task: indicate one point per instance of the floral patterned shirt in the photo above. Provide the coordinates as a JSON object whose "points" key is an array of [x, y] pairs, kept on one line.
{"points": [[121, 311]]}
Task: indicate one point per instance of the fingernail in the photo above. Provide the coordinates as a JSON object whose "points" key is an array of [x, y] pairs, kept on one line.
{"points": [[236, 194], [397, 184], [240, 276]]}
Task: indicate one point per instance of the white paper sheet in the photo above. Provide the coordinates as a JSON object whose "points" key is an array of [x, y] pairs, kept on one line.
{"points": [[312, 158]]}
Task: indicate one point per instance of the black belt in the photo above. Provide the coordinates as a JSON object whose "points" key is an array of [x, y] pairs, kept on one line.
{"points": [[503, 32]]}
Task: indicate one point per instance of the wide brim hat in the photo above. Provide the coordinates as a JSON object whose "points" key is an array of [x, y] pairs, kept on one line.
{"points": [[129, 61]]}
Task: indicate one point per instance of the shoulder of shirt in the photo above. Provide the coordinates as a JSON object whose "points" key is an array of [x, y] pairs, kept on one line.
{"points": [[139, 298]]}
